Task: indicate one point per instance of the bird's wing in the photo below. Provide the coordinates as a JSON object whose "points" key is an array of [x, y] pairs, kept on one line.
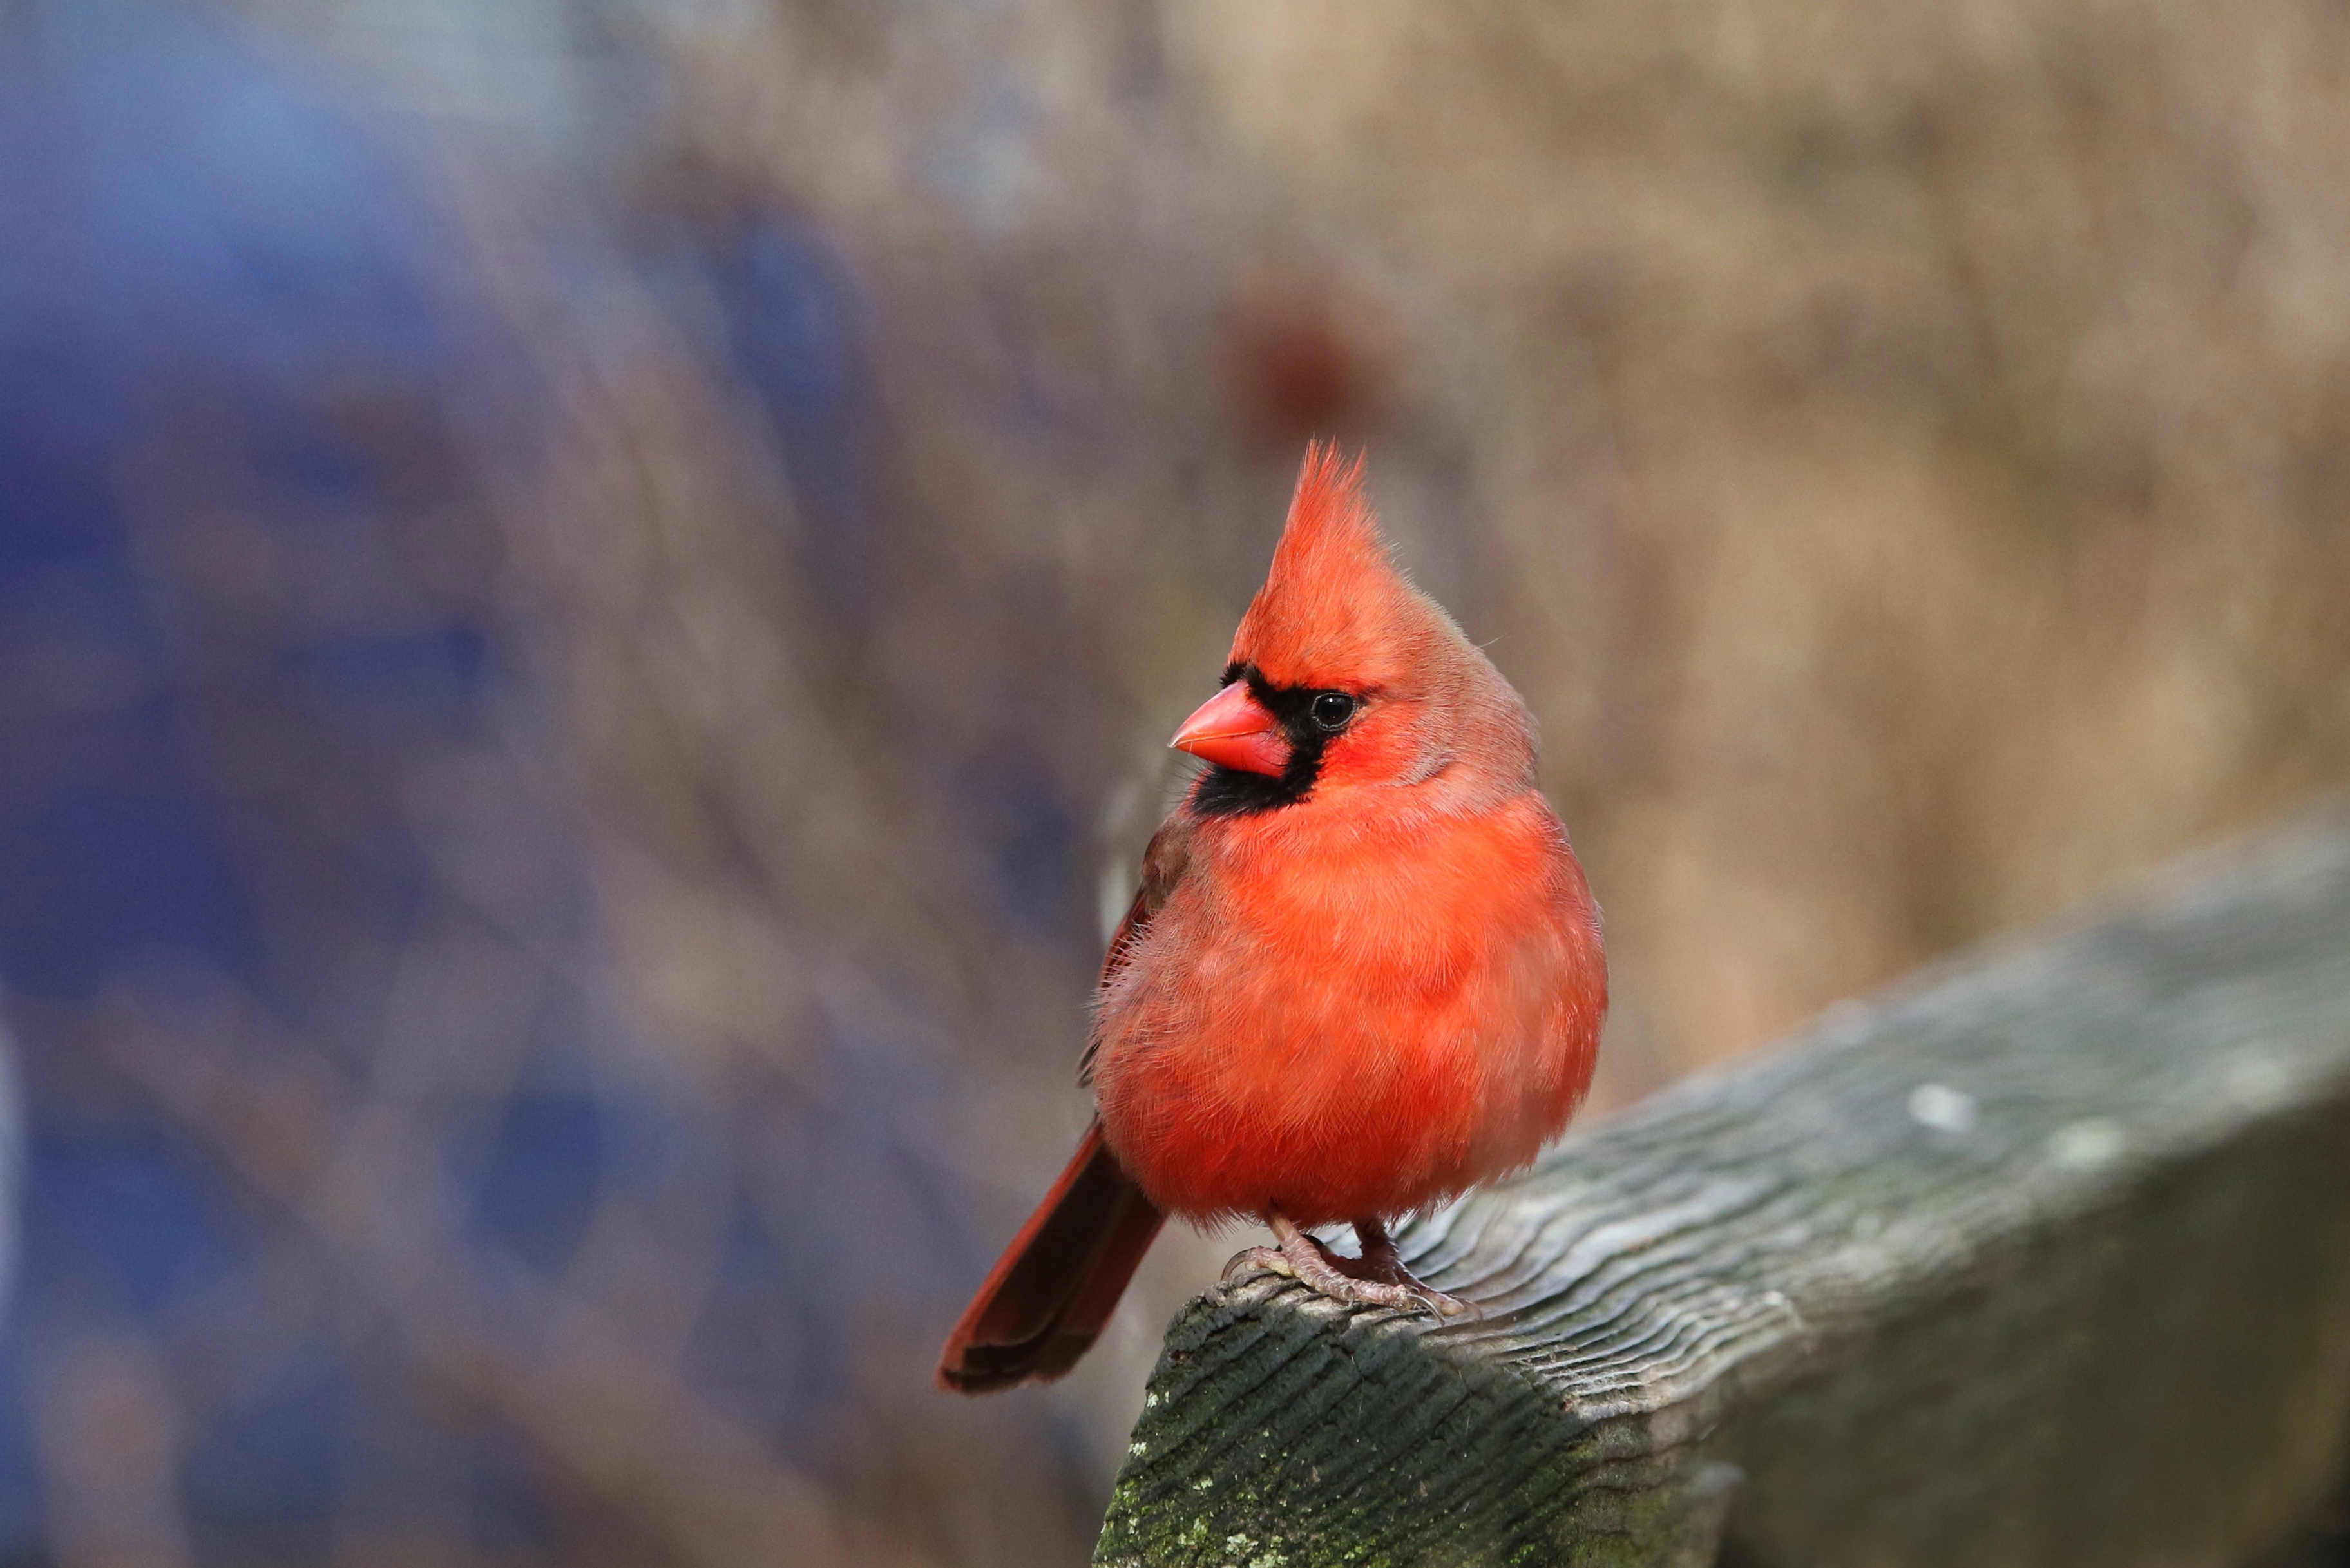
{"points": [[1163, 864]]}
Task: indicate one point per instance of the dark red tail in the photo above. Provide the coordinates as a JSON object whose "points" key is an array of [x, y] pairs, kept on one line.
{"points": [[1055, 1287]]}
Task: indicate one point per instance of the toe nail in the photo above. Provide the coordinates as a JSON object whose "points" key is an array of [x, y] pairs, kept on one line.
{"points": [[1255, 1259]]}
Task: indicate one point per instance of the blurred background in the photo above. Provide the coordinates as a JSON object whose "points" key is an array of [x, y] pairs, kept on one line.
{"points": [[591, 594]]}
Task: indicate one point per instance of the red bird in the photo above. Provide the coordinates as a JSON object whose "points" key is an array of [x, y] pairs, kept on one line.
{"points": [[1363, 973]]}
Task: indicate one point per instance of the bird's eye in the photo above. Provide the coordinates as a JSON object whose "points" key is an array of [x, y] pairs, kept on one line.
{"points": [[1331, 709]]}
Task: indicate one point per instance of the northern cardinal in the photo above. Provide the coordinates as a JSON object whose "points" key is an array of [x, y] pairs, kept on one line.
{"points": [[1362, 975]]}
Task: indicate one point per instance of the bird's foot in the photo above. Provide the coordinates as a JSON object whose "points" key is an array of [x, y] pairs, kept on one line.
{"points": [[1378, 1279], [1382, 1261]]}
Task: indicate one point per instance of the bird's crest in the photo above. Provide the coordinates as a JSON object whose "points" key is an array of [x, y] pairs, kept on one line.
{"points": [[1335, 610]]}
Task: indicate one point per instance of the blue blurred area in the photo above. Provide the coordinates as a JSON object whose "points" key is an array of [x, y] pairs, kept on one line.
{"points": [[246, 401], [192, 231], [788, 314]]}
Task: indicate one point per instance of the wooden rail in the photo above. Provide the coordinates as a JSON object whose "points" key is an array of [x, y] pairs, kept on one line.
{"points": [[2043, 1259]]}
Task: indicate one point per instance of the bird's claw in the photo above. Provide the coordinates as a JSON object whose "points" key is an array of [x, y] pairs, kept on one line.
{"points": [[1389, 1271], [1382, 1265], [1443, 1305], [1404, 1295], [1248, 1260]]}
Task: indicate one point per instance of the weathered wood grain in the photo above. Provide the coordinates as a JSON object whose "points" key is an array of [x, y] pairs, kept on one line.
{"points": [[2043, 1259]]}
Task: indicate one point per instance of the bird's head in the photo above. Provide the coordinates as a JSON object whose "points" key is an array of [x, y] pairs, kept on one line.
{"points": [[1344, 675]]}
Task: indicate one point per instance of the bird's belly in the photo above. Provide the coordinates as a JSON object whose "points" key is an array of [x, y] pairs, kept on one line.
{"points": [[1325, 1145], [1337, 1076]]}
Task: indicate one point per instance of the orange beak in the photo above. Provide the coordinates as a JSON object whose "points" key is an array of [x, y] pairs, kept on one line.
{"points": [[1232, 730]]}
